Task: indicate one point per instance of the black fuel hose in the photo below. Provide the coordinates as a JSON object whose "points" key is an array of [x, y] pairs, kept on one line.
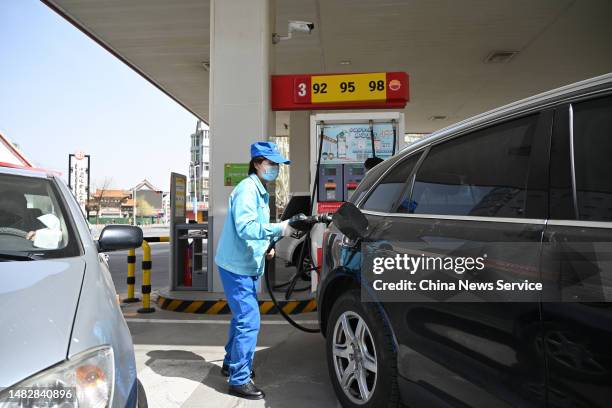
{"points": [[280, 309], [300, 266], [311, 220]]}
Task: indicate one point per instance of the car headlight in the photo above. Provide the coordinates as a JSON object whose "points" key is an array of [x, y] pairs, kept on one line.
{"points": [[85, 381]]}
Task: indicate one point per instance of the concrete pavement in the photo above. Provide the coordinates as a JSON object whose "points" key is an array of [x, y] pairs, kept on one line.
{"points": [[179, 355]]}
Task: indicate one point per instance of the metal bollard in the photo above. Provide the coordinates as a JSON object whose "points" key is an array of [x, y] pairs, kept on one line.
{"points": [[146, 279], [131, 276]]}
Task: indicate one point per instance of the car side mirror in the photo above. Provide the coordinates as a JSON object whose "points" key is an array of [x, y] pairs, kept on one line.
{"points": [[351, 221], [117, 237]]}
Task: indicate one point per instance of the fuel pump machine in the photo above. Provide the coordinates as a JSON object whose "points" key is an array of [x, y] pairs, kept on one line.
{"points": [[353, 173], [348, 140], [340, 142]]}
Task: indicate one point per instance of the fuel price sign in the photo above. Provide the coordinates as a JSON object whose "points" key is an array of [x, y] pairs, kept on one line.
{"points": [[348, 88], [340, 91]]}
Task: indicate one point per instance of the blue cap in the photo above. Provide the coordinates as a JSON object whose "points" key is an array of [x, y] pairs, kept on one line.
{"points": [[268, 150]]}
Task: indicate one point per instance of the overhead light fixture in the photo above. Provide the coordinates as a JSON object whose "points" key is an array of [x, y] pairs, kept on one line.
{"points": [[437, 117], [500, 57], [345, 62], [294, 27]]}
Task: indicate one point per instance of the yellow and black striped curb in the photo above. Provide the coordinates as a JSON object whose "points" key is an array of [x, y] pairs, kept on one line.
{"points": [[221, 306]]}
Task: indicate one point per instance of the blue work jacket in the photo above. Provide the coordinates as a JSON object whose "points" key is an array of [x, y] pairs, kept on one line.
{"points": [[247, 231]]}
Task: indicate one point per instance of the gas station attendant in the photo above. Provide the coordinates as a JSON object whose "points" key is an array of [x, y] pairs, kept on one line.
{"points": [[246, 236]]}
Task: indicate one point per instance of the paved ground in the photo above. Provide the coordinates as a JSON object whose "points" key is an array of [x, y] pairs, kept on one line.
{"points": [[179, 355]]}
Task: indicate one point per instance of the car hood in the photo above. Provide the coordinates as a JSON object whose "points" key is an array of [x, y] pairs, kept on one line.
{"points": [[38, 301]]}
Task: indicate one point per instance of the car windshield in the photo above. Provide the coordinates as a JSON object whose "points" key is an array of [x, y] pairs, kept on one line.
{"points": [[33, 223]]}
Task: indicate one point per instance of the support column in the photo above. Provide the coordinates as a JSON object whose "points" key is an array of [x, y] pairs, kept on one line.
{"points": [[299, 148], [240, 68]]}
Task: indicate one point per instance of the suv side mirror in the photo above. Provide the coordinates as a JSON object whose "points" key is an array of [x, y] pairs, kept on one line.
{"points": [[350, 221], [117, 237]]}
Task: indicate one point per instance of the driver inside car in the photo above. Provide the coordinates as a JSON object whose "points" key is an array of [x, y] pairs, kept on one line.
{"points": [[14, 214]]}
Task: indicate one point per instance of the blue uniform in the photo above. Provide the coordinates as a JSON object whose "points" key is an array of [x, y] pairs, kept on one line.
{"points": [[240, 257], [247, 230]]}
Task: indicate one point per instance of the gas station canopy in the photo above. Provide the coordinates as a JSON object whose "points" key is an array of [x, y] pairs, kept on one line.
{"points": [[463, 58]]}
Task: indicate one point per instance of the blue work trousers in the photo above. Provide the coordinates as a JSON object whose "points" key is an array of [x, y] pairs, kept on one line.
{"points": [[241, 294]]}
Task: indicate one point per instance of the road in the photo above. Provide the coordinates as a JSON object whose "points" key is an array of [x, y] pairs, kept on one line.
{"points": [[160, 255]]}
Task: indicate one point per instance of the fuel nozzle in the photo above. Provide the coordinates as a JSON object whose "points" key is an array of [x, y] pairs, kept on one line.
{"points": [[325, 217], [304, 223]]}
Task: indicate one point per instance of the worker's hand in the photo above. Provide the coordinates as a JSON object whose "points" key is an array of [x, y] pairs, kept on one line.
{"points": [[286, 229], [31, 235], [270, 254]]}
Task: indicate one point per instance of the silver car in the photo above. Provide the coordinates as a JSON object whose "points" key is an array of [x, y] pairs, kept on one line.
{"points": [[64, 341]]}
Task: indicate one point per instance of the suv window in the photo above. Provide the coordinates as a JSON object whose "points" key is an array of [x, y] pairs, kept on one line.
{"points": [[33, 222], [480, 174], [367, 182], [593, 158], [391, 186]]}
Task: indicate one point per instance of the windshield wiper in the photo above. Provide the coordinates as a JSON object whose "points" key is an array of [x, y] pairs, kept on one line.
{"points": [[10, 256]]}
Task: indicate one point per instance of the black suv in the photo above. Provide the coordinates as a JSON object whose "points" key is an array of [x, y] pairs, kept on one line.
{"points": [[536, 173]]}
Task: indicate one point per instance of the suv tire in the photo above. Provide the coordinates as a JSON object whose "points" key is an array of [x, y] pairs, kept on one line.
{"points": [[368, 362]]}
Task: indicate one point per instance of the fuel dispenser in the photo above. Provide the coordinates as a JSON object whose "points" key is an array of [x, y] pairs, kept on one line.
{"points": [[353, 174], [340, 144], [330, 183], [187, 255]]}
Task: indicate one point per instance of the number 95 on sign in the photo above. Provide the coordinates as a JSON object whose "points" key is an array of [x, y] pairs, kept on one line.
{"points": [[343, 88]]}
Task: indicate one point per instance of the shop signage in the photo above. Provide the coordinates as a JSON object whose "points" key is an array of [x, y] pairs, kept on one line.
{"points": [[234, 173]]}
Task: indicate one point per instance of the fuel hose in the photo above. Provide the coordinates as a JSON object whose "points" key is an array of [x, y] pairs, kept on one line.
{"points": [[280, 309], [301, 264]]}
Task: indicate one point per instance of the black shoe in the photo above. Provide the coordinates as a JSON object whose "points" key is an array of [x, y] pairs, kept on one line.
{"points": [[225, 371], [248, 391]]}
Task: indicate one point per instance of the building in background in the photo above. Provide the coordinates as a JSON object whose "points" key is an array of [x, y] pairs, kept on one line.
{"points": [[199, 167], [146, 203], [112, 206], [9, 153], [106, 206]]}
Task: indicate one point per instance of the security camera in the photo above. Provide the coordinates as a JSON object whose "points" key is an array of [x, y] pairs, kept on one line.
{"points": [[294, 27], [301, 26]]}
